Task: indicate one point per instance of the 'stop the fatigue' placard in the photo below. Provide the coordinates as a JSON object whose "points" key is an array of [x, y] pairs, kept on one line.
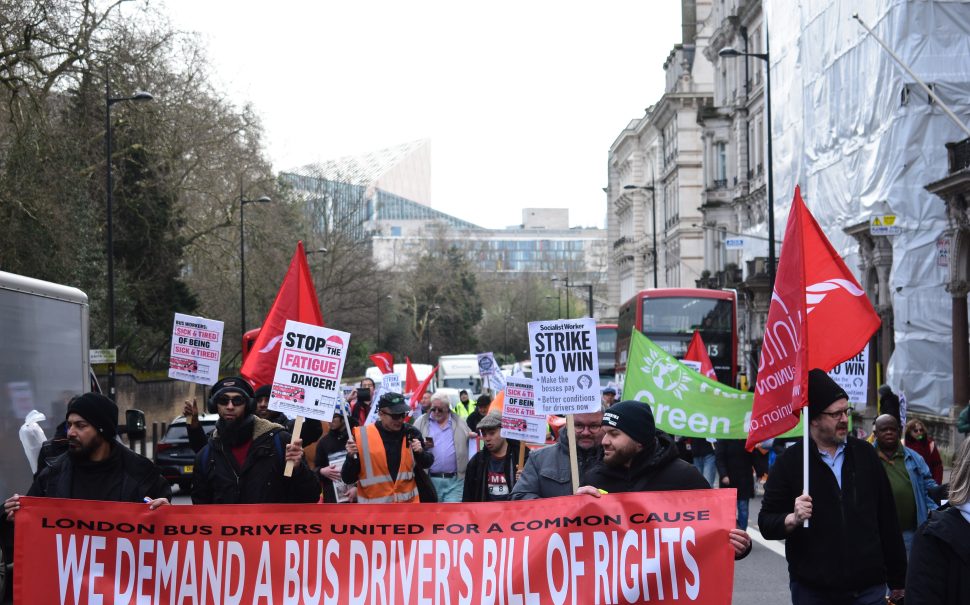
{"points": [[196, 349], [307, 380], [565, 366]]}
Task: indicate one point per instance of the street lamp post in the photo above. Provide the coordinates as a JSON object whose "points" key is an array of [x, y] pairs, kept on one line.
{"points": [[653, 222], [139, 95], [732, 52], [242, 251], [566, 282], [379, 298], [427, 328]]}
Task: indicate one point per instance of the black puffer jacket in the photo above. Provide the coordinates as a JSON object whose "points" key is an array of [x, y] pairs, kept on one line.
{"points": [[218, 478], [130, 478], [853, 539], [656, 470], [939, 564]]}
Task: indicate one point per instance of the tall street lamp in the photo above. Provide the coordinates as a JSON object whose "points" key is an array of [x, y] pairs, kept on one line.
{"points": [[242, 251], [565, 280], [732, 52], [139, 95], [427, 327], [379, 299], [653, 222]]}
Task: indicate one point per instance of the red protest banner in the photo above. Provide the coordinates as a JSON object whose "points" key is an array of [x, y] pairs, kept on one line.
{"points": [[662, 547]]}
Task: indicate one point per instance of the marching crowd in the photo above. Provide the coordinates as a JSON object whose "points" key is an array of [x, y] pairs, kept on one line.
{"points": [[869, 527]]}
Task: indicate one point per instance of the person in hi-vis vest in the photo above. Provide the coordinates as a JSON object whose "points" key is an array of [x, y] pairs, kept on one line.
{"points": [[382, 456]]}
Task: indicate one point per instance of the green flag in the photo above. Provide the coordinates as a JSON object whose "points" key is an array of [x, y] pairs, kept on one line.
{"points": [[683, 401]]}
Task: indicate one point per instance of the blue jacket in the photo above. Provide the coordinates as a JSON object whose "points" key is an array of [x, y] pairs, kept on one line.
{"points": [[922, 481]]}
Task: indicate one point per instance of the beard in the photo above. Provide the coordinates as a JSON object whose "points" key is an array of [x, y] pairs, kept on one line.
{"points": [[236, 432], [77, 451]]}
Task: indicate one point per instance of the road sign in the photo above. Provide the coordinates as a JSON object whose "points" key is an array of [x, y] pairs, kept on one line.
{"points": [[103, 356], [884, 225], [734, 243]]}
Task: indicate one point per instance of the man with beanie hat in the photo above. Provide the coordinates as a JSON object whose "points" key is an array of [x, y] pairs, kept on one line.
{"points": [[243, 461], [638, 458], [96, 465], [262, 407], [852, 547]]}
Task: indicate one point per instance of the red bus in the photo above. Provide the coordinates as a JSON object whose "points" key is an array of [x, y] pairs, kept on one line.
{"points": [[606, 351], [669, 316]]}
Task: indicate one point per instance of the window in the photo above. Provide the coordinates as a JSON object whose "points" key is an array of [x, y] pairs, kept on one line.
{"points": [[720, 163], [395, 232]]}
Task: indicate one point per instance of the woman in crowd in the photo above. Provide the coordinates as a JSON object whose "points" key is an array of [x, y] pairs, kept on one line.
{"points": [[939, 564], [918, 439]]}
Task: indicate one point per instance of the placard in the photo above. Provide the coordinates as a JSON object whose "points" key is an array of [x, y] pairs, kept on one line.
{"points": [[308, 371], [391, 383], [853, 376], [196, 349], [565, 366], [519, 418]]}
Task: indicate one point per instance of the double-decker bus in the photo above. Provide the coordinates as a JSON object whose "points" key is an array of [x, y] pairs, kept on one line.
{"points": [[606, 352], [669, 316]]}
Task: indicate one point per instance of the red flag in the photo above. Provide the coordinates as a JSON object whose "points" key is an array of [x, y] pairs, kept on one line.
{"points": [[384, 362], [296, 300], [421, 388], [819, 317], [410, 378], [698, 352]]}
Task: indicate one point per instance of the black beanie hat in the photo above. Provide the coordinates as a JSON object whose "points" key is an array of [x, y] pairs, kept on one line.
{"points": [[263, 391], [633, 418], [822, 392], [98, 410]]}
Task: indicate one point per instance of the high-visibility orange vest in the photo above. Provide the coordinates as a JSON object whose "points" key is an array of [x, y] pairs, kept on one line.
{"points": [[375, 485]]}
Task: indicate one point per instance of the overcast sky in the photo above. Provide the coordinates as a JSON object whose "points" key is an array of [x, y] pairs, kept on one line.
{"points": [[521, 100]]}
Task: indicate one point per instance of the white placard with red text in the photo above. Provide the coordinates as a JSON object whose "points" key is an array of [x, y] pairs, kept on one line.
{"points": [[519, 417], [308, 371], [196, 349]]}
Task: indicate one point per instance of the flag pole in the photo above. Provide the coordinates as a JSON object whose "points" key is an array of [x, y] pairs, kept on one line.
{"points": [[805, 456]]}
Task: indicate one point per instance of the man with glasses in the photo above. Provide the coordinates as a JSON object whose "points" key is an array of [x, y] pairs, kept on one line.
{"points": [[383, 456], [546, 473], [447, 435], [852, 547], [243, 461]]}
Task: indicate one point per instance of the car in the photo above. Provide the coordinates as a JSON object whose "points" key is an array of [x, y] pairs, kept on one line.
{"points": [[174, 457]]}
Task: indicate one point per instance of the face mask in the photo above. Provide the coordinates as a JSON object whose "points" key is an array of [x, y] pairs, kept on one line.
{"points": [[920, 437]]}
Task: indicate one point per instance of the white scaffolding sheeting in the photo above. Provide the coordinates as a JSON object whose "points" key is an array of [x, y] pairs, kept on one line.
{"points": [[862, 139]]}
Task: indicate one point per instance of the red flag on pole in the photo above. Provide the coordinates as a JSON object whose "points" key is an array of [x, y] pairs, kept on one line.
{"points": [[421, 388], [410, 378], [384, 362], [697, 352], [819, 316], [296, 300]]}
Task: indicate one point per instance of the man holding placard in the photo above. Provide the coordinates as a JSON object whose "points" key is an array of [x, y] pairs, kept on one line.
{"points": [[244, 459]]}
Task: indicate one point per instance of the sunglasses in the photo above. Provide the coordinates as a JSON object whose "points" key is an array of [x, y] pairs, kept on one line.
{"points": [[233, 400], [394, 416]]}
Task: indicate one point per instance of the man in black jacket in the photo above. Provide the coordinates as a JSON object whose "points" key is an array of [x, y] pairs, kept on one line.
{"points": [[490, 474], [852, 547], [244, 460], [96, 466], [638, 458]]}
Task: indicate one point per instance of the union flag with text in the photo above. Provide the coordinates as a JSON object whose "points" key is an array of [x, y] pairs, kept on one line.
{"points": [[819, 316], [296, 300]]}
